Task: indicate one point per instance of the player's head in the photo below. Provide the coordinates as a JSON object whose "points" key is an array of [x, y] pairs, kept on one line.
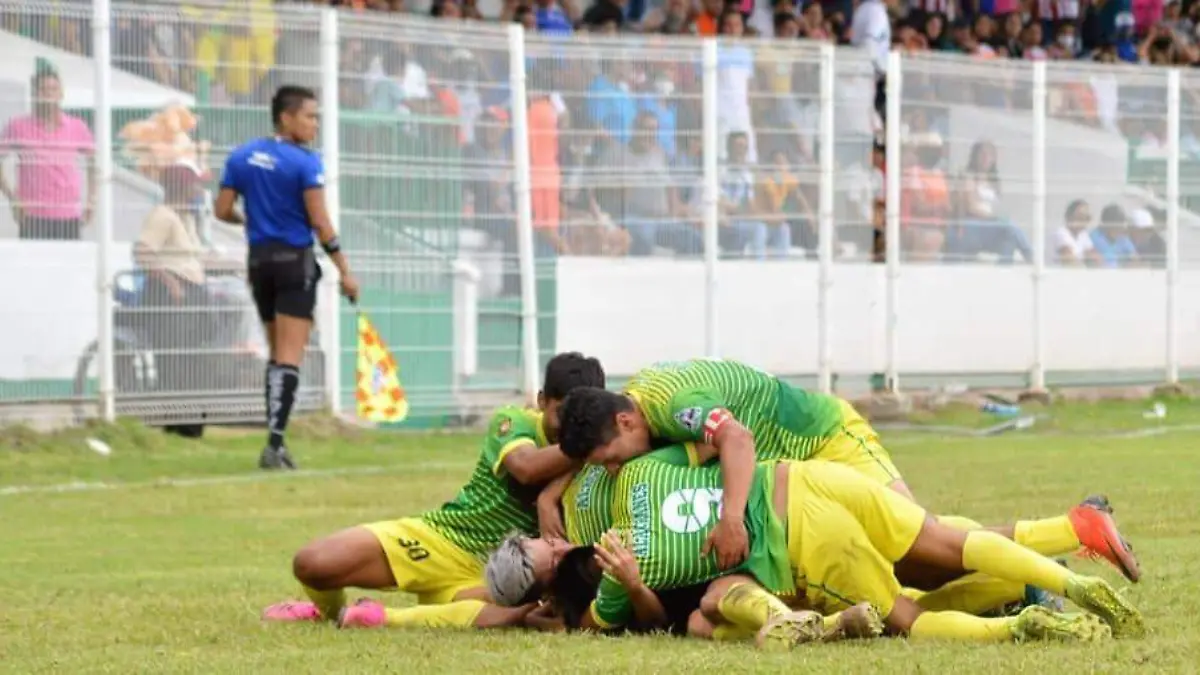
{"points": [[522, 569], [565, 372], [602, 428], [294, 113]]}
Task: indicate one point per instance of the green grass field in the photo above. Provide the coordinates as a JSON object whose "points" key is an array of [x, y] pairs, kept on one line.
{"points": [[160, 557]]}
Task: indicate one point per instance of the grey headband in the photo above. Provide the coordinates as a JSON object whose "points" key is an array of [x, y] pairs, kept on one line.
{"points": [[509, 573]]}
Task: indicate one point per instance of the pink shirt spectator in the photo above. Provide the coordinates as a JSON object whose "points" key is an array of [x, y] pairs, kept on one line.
{"points": [[1146, 13], [49, 177], [1002, 7]]}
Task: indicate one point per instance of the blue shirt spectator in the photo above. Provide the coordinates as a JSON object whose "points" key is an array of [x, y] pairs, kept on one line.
{"points": [[551, 19], [1111, 238], [272, 175], [611, 105]]}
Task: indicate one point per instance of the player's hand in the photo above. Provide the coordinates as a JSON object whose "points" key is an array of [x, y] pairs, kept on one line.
{"points": [[550, 522], [729, 541], [617, 561], [545, 619], [350, 287]]}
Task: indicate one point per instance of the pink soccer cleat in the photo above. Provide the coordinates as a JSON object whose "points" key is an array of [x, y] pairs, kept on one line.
{"points": [[292, 612], [363, 614]]}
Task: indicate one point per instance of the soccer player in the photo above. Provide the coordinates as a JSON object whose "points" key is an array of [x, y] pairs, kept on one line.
{"points": [[841, 534], [282, 186], [439, 555], [743, 414]]}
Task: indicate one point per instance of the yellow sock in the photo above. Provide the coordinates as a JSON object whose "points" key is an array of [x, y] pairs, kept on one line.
{"points": [[1048, 536], [460, 614], [750, 606], [728, 632], [329, 603], [972, 594], [994, 555], [959, 523], [959, 626]]}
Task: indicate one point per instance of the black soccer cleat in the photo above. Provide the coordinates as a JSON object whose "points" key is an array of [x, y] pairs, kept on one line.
{"points": [[273, 459]]}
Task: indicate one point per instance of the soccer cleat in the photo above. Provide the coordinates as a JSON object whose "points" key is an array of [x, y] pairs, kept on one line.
{"points": [[788, 630], [1098, 597], [860, 621], [1097, 532], [1039, 623], [276, 459], [292, 612], [365, 613]]}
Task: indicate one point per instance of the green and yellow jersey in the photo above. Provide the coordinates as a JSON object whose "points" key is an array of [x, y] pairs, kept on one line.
{"points": [[693, 400], [666, 512], [587, 501], [492, 504]]}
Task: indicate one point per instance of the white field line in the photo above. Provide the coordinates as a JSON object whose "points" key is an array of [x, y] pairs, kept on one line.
{"points": [[418, 467], [261, 477]]}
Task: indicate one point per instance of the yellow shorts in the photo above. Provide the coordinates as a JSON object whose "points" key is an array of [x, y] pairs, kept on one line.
{"points": [[424, 562], [857, 446], [845, 532]]}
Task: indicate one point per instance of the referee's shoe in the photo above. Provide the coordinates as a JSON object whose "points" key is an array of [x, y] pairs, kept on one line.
{"points": [[276, 458]]}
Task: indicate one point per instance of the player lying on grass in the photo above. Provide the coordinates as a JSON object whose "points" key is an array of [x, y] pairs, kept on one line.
{"points": [[439, 555], [743, 414], [580, 505], [843, 535]]}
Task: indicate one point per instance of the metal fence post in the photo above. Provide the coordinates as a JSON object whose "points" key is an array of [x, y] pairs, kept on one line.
{"points": [[331, 149], [1037, 371], [530, 362], [1173, 159], [825, 230], [894, 89], [712, 191], [103, 200]]}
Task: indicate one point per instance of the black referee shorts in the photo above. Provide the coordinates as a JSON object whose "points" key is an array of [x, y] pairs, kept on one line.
{"points": [[283, 280]]}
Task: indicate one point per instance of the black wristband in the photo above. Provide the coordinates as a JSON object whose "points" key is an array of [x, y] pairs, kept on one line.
{"points": [[332, 246]]}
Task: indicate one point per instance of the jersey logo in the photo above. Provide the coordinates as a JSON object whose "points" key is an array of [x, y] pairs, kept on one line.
{"points": [[262, 160], [716, 420], [689, 418], [504, 427], [689, 511]]}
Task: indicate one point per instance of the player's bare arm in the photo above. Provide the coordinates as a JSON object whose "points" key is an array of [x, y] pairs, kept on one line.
{"points": [[531, 465], [734, 446], [318, 216], [619, 563], [549, 506], [224, 208]]}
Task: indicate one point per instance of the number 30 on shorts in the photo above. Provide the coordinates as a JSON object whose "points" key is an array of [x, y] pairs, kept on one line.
{"points": [[416, 552]]}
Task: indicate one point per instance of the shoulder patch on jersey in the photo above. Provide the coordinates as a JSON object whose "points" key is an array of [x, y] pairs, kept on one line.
{"points": [[689, 418], [504, 427]]}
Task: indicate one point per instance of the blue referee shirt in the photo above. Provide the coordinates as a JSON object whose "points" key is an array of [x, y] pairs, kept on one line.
{"points": [[272, 175]]}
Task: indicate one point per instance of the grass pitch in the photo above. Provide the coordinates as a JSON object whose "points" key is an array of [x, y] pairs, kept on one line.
{"points": [[160, 557]]}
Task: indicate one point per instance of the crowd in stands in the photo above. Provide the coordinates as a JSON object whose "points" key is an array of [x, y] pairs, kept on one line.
{"points": [[615, 151]]}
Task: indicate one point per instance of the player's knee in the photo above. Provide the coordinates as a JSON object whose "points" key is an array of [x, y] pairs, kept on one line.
{"points": [[710, 604], [315, 566]]}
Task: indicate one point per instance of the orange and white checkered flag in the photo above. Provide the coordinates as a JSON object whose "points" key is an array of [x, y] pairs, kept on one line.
{"points": [[378, 393]]}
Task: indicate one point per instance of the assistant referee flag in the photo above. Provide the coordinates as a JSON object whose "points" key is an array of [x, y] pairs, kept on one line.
{"points": [[378, 393]]}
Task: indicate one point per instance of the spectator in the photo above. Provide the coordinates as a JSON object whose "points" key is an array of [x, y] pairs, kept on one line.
{"points": [[606, 16], [983, 229], [1073, 240], [1010, 36], [786, 203], [871, 30], [815, 26], [742, 228], [48, 202], [234, 47], [708, 21], [1032, 38], [396, 81], [611, 103], [169, 252], [1066, 43], [352, 87], [646, 202], [489, 195], [551, 18], [1111, 238], [545, 111], [934, 29], [673, 18], [1150, 246], [925, 202], [136, 49], [735, 73], [524, 15]]}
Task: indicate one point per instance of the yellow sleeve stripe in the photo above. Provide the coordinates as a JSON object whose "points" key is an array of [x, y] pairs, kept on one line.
{"points": [[498, 467], [692, 455], [596, 618]]}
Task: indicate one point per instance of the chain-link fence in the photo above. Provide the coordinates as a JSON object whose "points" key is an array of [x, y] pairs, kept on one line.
{"points": [[504, 195]]}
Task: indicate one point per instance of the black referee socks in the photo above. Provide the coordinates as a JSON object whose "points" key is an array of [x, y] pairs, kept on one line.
{"points": [[282, 383]]}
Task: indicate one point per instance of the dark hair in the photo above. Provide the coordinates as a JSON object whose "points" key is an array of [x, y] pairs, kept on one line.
{"points": [[569, 370], [1073, 207], [576, 581], [729, 11], [40, 76], [734, 135], [1112, 214], [588, 419], [521, 11], [781, 18], [288, 99], [992, 174]]}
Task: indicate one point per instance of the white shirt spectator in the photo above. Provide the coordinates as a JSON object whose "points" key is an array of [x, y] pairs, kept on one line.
{"points": [[871, 30], [1079, 244]]}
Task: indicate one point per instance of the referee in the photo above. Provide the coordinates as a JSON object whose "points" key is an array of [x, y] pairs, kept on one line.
{"points": [[282, 186]]}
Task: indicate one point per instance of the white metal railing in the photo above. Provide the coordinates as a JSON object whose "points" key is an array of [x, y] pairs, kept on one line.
{"points": [[816, 105]]}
